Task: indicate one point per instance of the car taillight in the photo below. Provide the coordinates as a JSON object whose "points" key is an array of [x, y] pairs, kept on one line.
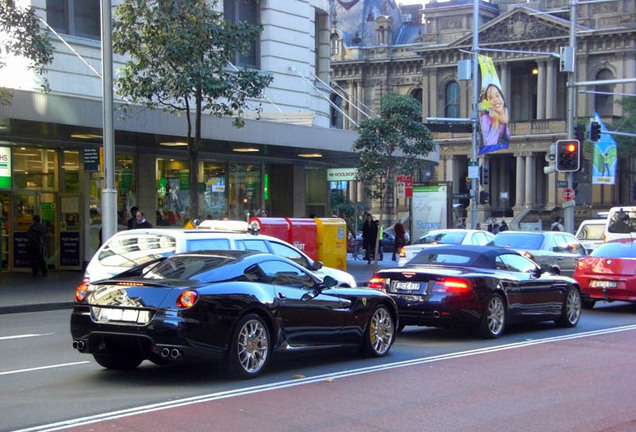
{"points": [[402, 253], [81, 291], [528, 255], [187, 299], [378, 283], [453, 286]]}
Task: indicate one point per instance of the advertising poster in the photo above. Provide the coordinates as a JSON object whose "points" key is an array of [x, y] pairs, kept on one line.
{"points": [[604, 158], [430, 208], [5, 168]]}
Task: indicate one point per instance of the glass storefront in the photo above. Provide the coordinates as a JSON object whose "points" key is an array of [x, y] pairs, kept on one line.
{"points": [[173, 182]]}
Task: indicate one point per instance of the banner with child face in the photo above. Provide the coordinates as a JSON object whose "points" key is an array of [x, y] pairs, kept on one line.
{"points": [[493, 111]]}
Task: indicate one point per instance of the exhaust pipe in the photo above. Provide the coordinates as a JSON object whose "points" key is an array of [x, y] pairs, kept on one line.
{"points": [[436, 314], [79, 345], [165, 352], [175, 353]]}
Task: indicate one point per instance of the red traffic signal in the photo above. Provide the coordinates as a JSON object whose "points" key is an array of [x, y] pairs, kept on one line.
{"points": [[568, 156]]}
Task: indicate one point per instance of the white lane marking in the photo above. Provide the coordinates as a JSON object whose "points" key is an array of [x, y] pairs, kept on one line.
{"points": [[43, 367], [82, 421], [24, 336]]}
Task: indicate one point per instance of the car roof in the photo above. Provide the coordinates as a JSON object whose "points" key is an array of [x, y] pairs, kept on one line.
{"points": [[478, 256]]}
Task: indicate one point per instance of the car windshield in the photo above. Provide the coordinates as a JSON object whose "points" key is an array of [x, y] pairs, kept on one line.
{"points": [[188, 267], [622, 222], [525, 240], [615, 250], [442, 237]]}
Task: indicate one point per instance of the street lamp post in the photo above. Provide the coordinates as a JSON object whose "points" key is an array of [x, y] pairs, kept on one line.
{"points": [[473, 116]]}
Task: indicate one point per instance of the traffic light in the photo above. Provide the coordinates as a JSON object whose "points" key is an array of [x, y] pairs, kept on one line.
{"points": [[595, 131], [579, 132], [484, 177], [484, 197], [568, 155]]}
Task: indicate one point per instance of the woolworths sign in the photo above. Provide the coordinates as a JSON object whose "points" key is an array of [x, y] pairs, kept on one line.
{"points": [[5, 168], [341, 174]]}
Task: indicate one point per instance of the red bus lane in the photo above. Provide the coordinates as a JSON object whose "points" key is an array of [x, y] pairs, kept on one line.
{"points": [[578, 384]]}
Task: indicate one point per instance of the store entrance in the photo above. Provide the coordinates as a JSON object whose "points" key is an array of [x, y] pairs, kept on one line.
{"points": [[26, 205]]}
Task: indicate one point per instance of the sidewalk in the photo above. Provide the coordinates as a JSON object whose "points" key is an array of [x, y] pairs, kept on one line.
{"points": [[22, 292]]}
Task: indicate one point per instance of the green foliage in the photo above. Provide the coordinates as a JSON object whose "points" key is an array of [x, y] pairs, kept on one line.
{"points": [[390, 144], [180, 60], [342, 207], [26, 39]]}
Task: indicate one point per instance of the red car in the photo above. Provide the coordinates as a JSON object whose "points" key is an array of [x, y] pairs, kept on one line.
{"points": [[608, 273]]}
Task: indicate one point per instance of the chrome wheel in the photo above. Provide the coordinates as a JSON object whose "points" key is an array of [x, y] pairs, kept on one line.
{"points": [[250, 348], [381, 332], [494, 317], [571, 312]]}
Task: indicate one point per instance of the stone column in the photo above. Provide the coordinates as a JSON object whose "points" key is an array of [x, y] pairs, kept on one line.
{"points": [[551, 89], [426, 112], [530, 180], [541, 91], [505, 82], [520, 187]]}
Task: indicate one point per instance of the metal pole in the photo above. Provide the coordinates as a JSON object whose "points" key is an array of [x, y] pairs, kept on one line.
{"points": [[473, 115], [109, 193], [568, 211]]}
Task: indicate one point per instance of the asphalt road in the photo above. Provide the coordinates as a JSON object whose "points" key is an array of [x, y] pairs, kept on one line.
{"points": [[534, 378]]}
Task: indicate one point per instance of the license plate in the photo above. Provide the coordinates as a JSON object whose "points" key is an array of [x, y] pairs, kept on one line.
{"points": [[406, 286], [603, 284], [126, 315]]}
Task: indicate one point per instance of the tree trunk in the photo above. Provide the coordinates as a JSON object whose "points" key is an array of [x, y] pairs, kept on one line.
{"points": [[193, 153]]}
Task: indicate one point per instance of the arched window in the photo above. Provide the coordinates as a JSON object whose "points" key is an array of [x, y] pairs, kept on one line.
{"points": [[451, 105], [336, 112], [335, 44], [603, 98], [417, 95]]}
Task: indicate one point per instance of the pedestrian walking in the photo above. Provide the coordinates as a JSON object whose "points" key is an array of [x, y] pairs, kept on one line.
{"points": [[369, 236], [400, 238], [36, 238], [141, 221], [557, 225], [503, 226]]}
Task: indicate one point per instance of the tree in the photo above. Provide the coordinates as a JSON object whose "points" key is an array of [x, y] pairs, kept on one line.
{"points": [[180, 60], [390, 144], [25, 39]]}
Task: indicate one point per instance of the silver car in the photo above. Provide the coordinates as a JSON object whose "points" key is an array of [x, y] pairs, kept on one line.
{"points": [[555, 248]]}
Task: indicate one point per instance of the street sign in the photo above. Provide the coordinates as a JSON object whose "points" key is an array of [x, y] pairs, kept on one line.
{"points": [[567, 194]]}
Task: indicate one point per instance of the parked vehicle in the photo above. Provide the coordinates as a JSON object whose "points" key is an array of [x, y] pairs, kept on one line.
{"points": [[591, 233], [609, 273], [444, 236], [232, 306], [480, 288], [127, 249], [544, 247], [621, 223]]}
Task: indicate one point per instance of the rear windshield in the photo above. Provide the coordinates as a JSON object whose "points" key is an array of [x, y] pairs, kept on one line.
{"points": [[615, 250], [445, 237], [622, 222], [528, 241], [434, 257], [592, 232], [198, 267], [129, 251]]}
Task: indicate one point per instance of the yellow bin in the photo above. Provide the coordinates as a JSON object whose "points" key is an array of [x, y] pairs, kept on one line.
{"points": [[332, 242]]}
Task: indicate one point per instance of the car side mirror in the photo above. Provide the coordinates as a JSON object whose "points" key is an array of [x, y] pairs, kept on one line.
{"points": [[550, 268], [317, 265]]}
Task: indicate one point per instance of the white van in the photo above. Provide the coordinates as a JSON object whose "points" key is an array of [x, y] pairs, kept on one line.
{"points": [[621, 223], [129, 248], [591, 233]]}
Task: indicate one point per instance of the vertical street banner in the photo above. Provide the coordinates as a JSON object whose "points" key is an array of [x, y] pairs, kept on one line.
{"points": [[604, 157], [493, 110]]}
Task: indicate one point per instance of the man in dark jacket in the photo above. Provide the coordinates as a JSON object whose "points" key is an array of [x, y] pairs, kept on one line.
{"points": [[133, 217], [369, 236], [141, 221], [36, 236]]}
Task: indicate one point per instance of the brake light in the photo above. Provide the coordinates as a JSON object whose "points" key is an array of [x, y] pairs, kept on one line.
{"points": [[402, 253], [81, 291], [528, 255], [378, 283], [187, 299], [452, 286]]}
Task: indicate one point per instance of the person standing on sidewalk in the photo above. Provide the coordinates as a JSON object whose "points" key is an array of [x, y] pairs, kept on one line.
{"points": [[133, 217], [141, 221], [36, 236]]}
